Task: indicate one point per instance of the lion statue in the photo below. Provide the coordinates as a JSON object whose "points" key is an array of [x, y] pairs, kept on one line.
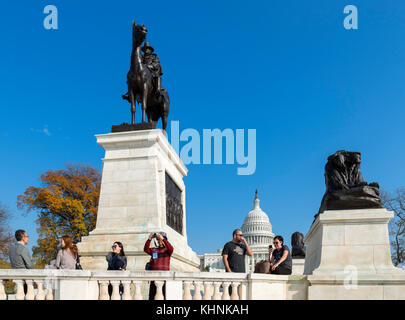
{"points": [[345, 187], [298, 247]]}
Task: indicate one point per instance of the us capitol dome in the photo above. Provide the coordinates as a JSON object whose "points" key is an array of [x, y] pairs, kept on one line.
{"points": [[257, 231]]}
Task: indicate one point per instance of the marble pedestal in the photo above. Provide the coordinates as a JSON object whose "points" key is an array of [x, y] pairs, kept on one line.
{"points": [[133, 200], [298, 266], [348, 256]]}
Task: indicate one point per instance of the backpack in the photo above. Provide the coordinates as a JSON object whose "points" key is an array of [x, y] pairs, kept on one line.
{"points": [[262, 267], [78, 265], [148, 265]]}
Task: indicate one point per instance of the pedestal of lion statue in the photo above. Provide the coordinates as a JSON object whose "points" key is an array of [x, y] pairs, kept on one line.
{"points": [[142, 191], [348, 256]]}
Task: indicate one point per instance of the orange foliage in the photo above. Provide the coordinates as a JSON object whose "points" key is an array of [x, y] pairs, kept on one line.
{"points": [[5, 235], [66, 204]]}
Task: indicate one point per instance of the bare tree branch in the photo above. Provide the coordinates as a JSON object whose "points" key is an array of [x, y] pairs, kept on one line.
{"points": [[396, 203]]}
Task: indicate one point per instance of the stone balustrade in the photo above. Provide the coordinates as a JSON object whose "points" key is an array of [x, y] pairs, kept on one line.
{"points": [[134, 285], [32, 285], [176, 285], [117, 285]]}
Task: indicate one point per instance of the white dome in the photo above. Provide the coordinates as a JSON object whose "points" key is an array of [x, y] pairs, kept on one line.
{"points": [[257, 229]]}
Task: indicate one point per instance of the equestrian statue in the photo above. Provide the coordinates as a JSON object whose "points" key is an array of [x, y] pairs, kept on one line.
{"points": [[144, 81]]}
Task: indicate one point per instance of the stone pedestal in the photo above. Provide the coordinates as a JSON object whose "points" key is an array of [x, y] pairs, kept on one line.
{"points": [[348, 256], [298, 266], [342, 239], [133, 200]]}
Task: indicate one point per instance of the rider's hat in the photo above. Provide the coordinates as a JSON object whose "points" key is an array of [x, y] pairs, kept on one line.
{"points": [[147, 46]]}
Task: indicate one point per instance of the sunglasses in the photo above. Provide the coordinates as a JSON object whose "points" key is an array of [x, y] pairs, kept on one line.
{"points": [[275, 242], [114, 246]]}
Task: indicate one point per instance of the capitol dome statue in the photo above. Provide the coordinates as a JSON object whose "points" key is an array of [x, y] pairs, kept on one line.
{"points": [[257, 231]]}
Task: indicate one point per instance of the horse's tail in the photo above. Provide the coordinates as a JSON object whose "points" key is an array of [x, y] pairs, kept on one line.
{"points": [[166, 101]]}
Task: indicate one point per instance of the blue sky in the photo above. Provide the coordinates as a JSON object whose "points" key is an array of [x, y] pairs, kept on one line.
{"points": [[287, 69]]}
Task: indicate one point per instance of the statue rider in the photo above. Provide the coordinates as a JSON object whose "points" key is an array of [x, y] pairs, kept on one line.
{"points": [[151, 60]]}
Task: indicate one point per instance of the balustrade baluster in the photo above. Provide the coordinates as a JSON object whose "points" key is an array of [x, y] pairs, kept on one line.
{"points": [[207, 290], [197, 290], [40, 293], [225, 293], [20, 295], [235, 293], [103, 290], [115, 290], [49, 290], [217, 294], [186, 293], [159, 291], [2, 291], [127, 290], [138, 285], [30, 290]]}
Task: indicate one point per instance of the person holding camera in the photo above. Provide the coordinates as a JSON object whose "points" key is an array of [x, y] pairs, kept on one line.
{"points": [[280, 257], [233, 254], [160, 257]]}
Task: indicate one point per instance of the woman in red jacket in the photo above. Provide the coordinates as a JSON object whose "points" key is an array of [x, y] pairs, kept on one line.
{"points": [[160, 257]]}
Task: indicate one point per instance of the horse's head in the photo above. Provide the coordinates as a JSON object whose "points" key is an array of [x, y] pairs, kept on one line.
{"points": [[138, 33]]}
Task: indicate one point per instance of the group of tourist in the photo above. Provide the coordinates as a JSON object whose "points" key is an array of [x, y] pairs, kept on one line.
{"points": [[233, 255], [20, 258], [68, 256]]}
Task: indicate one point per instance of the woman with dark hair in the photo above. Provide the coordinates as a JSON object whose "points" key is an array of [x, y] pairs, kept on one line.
{"points": [[117, 259], [67, 256], [281, 261]]}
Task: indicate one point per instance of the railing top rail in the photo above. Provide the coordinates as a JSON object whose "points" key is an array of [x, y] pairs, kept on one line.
{"points": [[42, 273], [17, 274]]}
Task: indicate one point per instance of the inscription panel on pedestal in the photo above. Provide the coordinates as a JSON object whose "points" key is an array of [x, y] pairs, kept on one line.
{"points": [[174, 207]]}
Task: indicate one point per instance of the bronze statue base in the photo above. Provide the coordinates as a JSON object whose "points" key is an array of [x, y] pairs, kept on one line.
{"points": [[133, 127]]}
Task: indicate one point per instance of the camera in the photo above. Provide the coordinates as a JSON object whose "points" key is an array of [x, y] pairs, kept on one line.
{"points": [[163, 234]]}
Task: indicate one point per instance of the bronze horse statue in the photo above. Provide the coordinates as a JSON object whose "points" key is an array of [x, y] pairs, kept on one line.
{"points": [[141, 85]]}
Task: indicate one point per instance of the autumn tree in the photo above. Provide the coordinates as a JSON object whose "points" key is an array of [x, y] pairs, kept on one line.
{"points": [[5, 236], [66, 203], [396, 203]]}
